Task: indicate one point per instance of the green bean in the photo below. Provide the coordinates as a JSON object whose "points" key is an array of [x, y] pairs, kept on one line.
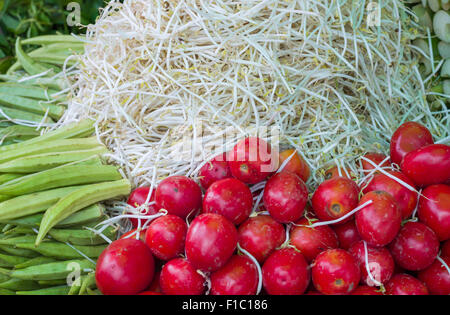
{"points": [[16, 114], [11, 261], [34, 262], [31, 105], [82, 237], [42, 162], [58, 290], [50, 271], [30, 91], [11, 249], [50, 39], [20, 285], [63, 251], [80, 199], [7, 292], [30, 66]]}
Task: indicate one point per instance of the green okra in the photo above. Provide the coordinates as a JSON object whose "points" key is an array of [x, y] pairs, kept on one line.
{"points": [[17, 114], [11, 249], [63, 251], [49, 283], [80, 199], [33, 106], [11, 261], [51, 39], [29, 91], [4, 278], [34, 262], [87, 283], [82, 237], [51, 271], [18, 133], [53, 83], [7, 292], [7, 177], [17, 240], [61, 176], [20, 285], [45, 161], [58, 290], [31, 67]]}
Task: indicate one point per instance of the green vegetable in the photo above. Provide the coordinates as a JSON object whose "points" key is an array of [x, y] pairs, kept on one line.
{"points": [[24, 90], [82, 237], [63, 251], [11, 249], [58, 290], [17, 114], [34, 262], [31, 66], [20, 285], [11, 260]]}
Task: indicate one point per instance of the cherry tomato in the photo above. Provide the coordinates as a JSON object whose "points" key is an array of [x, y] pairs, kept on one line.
{"points": [[434, 210], [445, 249], [252, 160], [286, 272], [178, 277], [179, 195], [132, 234], [335, 198], [137, 198], [285, 197], [333, 172], [415, 247], [335, 272], [429, 165], [312, 241], [380, 261], [296, 164], [376, 158], [126, 267], [166, 236], [405, 198], [214, 170], [238, 277], [347, 234], [229, 197], [260, 236], [379, 222], [437, 277], [210, 241], [408, 137], [404, 284], [366, 290]]}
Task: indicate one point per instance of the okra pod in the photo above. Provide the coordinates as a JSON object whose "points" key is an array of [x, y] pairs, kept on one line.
{"points": [[11, 261], [7, 177], [58, 290], [33, 106], [42, 162], [29, 65], [18, 133], [29, 91], [16, 114], [63, 251], [50, 39], [80, 199], [20, 285], [7, 292], [34, 262], [11, 249], [87, 283], [82, 237], [49, 283]]}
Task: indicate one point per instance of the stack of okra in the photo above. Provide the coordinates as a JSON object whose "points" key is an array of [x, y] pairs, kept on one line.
{"points": [[50, 190]]}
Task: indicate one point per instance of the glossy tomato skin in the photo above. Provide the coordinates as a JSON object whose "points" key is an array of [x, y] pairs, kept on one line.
{"points": [[335, 198], [179, 277], [252, 160], [347, 234], [210, 242], [405, 198], [229, 197], [260, 236], [213, 171], [366, 290], [285, 197], [296, 164], [408, 137], [379, 222], [415, 247], [179, 195], [126, 267], [380, 261], [445, 249], [238, 277], [404, 284], [335, 272], [166, 236], [376, 158], [436, 277], [286, 272], [428, 165], [312, 241], [434, 210], [137, 198], [333, 172]]}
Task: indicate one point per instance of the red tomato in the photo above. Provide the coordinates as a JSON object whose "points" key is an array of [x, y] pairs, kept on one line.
{"points": [[132, 234], [296, 164], [366, 290], [445, 249], [335, 198], [415, 247], [380, 261], [285, 197], [251, 160], [285, 272], [376, 158], [429, 165], [312, 241], [137, 198], [408, 137], [434, 210], [347, 234], [214, 170], [229, 197], [238, 277], [125, 267], [178, 277], [179, 195], [404, 284], [333, 172], [437, 277], [260, 236], [210, 241], [150, 293], [405, 198], [335, 272], [379, 222], [166, 236]]}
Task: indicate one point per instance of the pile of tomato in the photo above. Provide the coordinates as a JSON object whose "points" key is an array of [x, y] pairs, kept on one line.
{"points": [[251, 227]]}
